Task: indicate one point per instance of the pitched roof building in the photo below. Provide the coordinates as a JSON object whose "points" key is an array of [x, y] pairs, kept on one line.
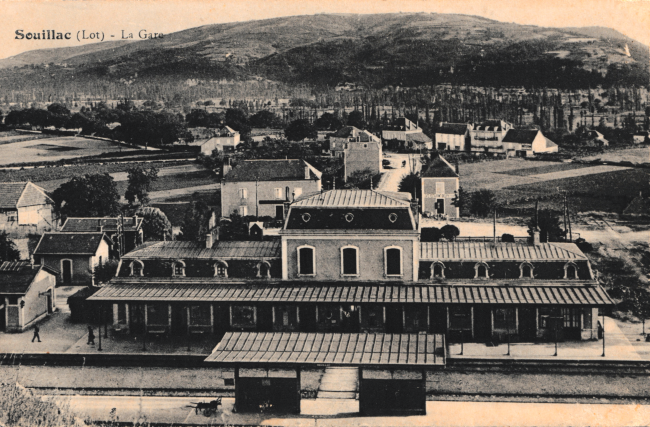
{"points": [[26, 208]]}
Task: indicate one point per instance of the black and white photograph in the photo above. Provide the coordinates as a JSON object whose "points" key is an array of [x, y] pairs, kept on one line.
{"points": [[324, 214]]}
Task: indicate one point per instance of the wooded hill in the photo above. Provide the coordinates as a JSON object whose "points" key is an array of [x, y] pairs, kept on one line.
{"points": [[330, 49]]}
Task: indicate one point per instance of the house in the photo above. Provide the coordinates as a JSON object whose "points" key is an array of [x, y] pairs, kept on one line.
{"points": [[452, 136], [487, 136], [351, 235], [25, 208], [593, 138], [261, 187], [224, 139], [641, 137], [27, 294], [125, 232], [440, 184], [73, 255], [527, 142], [340, 140], [405, 134]]}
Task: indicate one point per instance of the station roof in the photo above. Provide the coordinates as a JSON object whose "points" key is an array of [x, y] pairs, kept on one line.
{"points": [[101, 224], [354, 198], [193, 290], [484, 251], [330, 348], [197, 250]]}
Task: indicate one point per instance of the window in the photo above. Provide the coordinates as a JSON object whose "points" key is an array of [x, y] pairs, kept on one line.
{"points": [[440, 188], [101, 260], [393, 261], [137, 268], [329, 314], [220, 269], [504, 318], [350, 261], [243, 193], [200, 315], [297, 191], [460, 318], [157, 314], [372, 316], [277, 193], [437, 270], [244, 316], [264, 270], [570, 271], [306, 261], [285, 316], [416, 318], [243, 210], [526, 270], [178, 268], [571, 317], [12, 300], [121, 314], [481, 271]]}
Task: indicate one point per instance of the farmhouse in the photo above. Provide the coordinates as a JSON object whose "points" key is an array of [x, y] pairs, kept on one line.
{"points": [[27, 294], [525, 143], [73, 255], [440, 184], [25, 208], [261, 187]]}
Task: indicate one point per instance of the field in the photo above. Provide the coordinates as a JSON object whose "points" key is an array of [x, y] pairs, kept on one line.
{"points": [[10, 137], [547, 168], [52, 149], [634, 155]]}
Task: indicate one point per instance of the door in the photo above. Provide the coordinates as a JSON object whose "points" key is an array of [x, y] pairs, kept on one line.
{"points": [[179, 320], [440, 206], [394, 319], [482, 324], [279, 212], [2, 318], [50, 306], [527, 324], [264, 318], [137, 318], [66, 270], [350, 318]]}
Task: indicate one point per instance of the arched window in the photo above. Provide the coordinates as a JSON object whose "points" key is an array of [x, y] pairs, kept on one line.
{"points": [[220, 269], [393, 261], [178, 268], [481, 271], [264, 270], [526, 270], [349, 261], [570, 271], [437, 270], [306, 261], [137, 268]]}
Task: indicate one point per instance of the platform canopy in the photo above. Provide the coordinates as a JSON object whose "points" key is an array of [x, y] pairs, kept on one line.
{"points": [[329, 348], [195, 290]]}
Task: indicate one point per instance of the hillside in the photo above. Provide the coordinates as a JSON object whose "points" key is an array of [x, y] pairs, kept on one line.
{"points": [[371, 50]]}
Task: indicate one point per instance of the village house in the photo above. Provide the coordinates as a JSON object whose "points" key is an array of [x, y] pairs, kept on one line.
{"points": [[347, 134], [526, 143], [487, 136], [73, 255], [125, 232], [641, 137], [452, 136], [405, 134], [224, 139], [25, 208], [261, 187], [360, 150], [27, 294], [440, 186], [592, 138]]}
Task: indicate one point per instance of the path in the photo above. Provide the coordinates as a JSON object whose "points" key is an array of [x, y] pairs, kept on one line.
{"points": [[391, 178], [341, 413], [157, 195]]}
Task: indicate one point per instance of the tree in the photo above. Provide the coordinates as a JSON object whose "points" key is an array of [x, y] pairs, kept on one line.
{"points": [[641, 304], [410, 183], [362, 180], [299, 130], [8, 249], [155, 225], [88, 196], [140, 181], [263, 119], [58, 109], [482, 203], [195, 222], [236, 119], [233, 228], [104, 272], [355, 118], [450, 232], [460, 199], [328, 121], [548, 222], [21, 407]]}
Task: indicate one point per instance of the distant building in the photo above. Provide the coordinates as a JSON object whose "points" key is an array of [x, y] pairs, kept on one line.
{"points": [[641, 137], [225, 139], [122, 231], [27, 294], [452, 136], [405, 134], [25, 208], [527, 142], [440, 184], [593, 138], [360, 150], [487, 136], [261, 187], [348, 134], [73, 255]]}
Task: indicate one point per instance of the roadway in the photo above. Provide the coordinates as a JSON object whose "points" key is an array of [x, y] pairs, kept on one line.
{"points": [[333, 412]]}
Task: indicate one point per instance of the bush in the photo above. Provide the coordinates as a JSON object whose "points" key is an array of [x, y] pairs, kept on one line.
{"points": [[507, 238], [430, 234], [450, 232], [20, 407]]}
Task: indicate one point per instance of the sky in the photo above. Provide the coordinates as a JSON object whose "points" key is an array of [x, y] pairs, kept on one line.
{"points": [[111, 17]]}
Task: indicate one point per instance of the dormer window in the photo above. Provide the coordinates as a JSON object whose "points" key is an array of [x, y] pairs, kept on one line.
{"points": [[526, 270], [221, 269], [570, 271], [264, 270], [178, 268], [481, 271], [137, 268], [437, 270]]}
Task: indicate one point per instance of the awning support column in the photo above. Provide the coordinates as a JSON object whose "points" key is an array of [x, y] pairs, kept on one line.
{"points": [[603, 316]]}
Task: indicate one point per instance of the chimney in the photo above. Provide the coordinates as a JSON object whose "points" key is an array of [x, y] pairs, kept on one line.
{"points": [[286, 209], [306, 172], [536, 231], [226, 167], [208, 241], [536, 239]]}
